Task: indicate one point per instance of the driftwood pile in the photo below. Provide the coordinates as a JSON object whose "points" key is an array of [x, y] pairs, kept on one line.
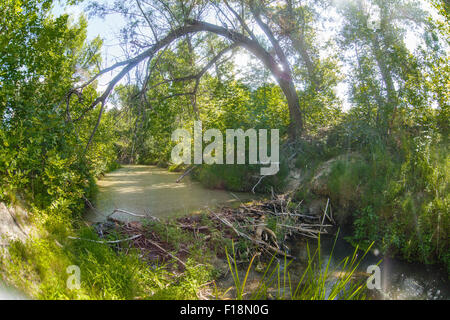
{"points": [[269, 224], [134, 235]]}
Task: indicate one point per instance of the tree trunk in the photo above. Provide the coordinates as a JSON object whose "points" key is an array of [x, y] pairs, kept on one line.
{"points": [[390, 108], [283, 76], [295, 114]]}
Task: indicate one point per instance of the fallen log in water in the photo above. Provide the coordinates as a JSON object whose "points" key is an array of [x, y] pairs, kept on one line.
{"points": [[186, 173]]}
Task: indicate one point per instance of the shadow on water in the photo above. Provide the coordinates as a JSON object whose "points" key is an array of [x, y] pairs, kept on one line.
{"points": [[400, 280]]}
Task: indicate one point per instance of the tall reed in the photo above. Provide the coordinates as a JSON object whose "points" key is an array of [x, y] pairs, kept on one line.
{"points": [[317, 282]]}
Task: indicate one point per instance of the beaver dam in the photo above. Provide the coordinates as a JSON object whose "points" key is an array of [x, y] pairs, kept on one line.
{"points": [[267, 225], [259, 229]]}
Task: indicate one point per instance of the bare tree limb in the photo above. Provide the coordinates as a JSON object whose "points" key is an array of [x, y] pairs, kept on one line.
{"points": [[241, 21], [155, 35]]}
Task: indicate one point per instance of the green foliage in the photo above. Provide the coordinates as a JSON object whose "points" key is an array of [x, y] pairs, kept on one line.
{"points": [[367, 226], [396, 189], [42, 154], [345, 180], [144, 137], [240, 178]]}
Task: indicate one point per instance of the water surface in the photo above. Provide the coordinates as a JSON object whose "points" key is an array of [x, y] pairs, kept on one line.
{"points": [[400, 280], [148, 190]]}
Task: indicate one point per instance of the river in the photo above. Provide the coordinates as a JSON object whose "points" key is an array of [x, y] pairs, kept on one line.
{"points": [[146, 190], [153, 191]]}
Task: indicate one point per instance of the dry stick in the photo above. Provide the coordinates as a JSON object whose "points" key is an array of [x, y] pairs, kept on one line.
{"points": [[331, 215], [328, 205], [292, 156], [298, 205], [303, 229], [315, 225], [167, 252], [131, 214], [187, 172], [295, 215], [242, 203], [325, 213], [241, 234], [259, 181], [107, 242], [90, 204]]}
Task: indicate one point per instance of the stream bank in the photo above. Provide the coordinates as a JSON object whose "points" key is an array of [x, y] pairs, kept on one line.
{"points": [[153, 191]]}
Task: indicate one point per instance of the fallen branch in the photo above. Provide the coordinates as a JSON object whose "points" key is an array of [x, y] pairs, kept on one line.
{"points": [[325, 213], [133, 214], [255, 241], [186, 173], [259, 181], [167, 252], [107, 242], [303, 229]]}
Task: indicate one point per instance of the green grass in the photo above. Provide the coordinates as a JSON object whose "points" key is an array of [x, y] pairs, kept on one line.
{"points": [[315, 283], [38, 267]]}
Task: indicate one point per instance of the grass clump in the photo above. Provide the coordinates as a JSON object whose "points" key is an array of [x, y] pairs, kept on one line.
{"points": [[317, 282]]}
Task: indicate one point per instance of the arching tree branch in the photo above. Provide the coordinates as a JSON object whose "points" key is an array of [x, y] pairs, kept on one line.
{"points": [[281, 74]]}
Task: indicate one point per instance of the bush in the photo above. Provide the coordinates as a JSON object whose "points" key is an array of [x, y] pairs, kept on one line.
{"points": [[398, 193], [240, 178]]}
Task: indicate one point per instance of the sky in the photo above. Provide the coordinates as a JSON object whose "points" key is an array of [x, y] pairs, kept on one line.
{"points": [[109, 27]]}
